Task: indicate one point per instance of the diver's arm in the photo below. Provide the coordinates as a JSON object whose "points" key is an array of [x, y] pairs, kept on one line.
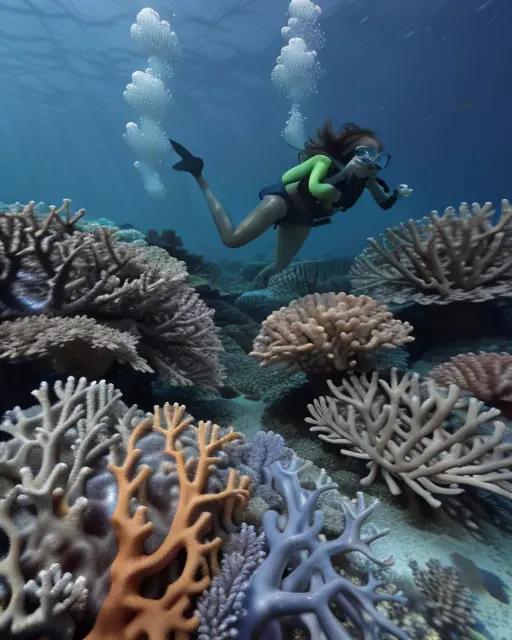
{"points": [[381, 193]]}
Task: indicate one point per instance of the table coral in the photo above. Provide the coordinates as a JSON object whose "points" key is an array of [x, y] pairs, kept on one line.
{"points": [[126, 613], [401, 427], [322, 333], [458, 255]]}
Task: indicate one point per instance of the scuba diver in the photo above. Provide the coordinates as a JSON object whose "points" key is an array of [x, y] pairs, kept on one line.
{"points": [[334, 171]]}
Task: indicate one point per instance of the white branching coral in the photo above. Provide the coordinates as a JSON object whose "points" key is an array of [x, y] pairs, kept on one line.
{"points": [[322, 333], [410, 431], [458, 255], [44, 469]]}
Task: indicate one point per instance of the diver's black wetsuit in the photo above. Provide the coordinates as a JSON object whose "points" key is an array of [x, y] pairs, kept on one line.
{"points": [[312, 213]]}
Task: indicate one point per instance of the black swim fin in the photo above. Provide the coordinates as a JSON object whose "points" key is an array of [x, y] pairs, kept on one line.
{"points": [[189, 163]]}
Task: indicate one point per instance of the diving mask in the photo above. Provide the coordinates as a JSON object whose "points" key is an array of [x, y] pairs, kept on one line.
{"points": [[368, 156]]}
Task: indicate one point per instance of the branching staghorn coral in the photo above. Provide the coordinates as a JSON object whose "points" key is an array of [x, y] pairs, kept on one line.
{"points": [[46, 267], [323, 333], [126, 613], [298, 578], [44, 468], [458, 255], [487, 376], [402, 429]]}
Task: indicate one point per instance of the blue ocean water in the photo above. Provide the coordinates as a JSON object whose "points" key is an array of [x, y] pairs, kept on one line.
{"points": [[432, 78]]}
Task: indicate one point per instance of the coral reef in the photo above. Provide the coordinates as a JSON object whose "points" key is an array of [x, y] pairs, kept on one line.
{"points": [[458, 255], [415, 433], [47, 267], [323, 333], [297, 578], [487, 376], [126, 612], [447, 602]]}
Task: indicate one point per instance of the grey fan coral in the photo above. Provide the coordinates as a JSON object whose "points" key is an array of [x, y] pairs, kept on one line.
{"points": [[458, 255], [48, 267], [329, 332], [417, 434], [310, 276], [487, 376]]}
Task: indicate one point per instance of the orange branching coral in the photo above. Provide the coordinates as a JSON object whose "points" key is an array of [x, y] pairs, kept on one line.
{"points": [[126, 613]]}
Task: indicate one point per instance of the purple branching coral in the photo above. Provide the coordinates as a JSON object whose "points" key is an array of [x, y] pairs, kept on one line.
{"points": [[48, 266], [298, 577], [221, 608]]}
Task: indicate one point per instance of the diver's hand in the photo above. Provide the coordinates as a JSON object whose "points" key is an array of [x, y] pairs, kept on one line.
{"points": [[404, 191]]}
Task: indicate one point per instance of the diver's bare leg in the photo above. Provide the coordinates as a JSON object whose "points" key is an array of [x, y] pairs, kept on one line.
{"points": [[271, 209], [290, 238]]}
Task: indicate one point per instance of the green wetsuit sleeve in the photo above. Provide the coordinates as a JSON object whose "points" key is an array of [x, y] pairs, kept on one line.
{"points": [[316, 168]]}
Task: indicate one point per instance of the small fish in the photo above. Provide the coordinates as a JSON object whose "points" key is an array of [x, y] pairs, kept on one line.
{"points": [[467, 104], [479, 580]]}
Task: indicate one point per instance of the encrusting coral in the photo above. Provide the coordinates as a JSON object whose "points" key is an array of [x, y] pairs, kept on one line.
{"points": [[322, 333], [48, 267], [126, 613], [458, 255], [417, 433], [487, 376]]}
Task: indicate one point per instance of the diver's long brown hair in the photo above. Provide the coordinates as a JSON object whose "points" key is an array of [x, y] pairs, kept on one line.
{"points": [[337, 145]]}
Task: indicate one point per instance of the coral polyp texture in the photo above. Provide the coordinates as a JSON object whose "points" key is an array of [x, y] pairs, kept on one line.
{"points": [[460, 255], [416, 433], [487, 376], [83, 281], [322, 333]]}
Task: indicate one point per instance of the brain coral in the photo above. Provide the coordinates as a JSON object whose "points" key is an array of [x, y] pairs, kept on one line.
{"points": [[459, 255], [325, 332]]}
